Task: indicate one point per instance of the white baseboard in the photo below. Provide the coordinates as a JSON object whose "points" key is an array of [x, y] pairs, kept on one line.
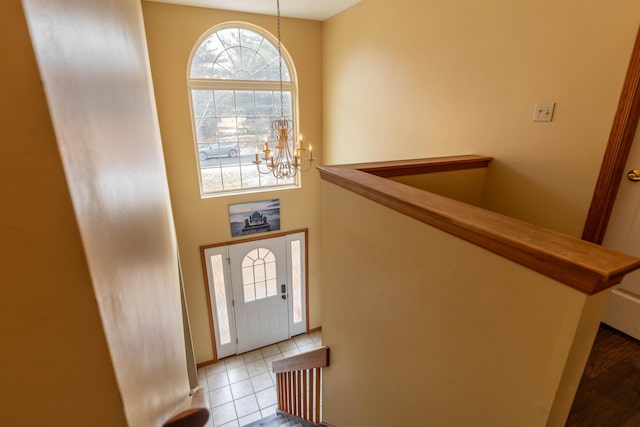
{"points": [[623, 312]]}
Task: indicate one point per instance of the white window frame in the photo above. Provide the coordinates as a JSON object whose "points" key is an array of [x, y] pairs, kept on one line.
{"points": [[244, 85]]}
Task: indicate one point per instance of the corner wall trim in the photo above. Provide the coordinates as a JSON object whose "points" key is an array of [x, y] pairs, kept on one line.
{"points": [[617, 152]]}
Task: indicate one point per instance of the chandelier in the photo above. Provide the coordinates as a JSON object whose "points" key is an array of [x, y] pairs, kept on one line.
{"points": [[286, 159]]}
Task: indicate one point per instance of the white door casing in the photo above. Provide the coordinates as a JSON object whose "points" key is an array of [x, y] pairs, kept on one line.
{"points": [[623, 234]]}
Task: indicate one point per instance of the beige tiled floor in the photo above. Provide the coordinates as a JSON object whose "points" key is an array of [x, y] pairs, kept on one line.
{"points": [[241, 388]]}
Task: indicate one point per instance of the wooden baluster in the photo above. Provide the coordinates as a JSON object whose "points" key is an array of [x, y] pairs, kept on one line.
{"points": [[317, 411], [279, 390], [290, 391], [312, 387], [299, 393], [305, 392], [285, 389], [293, 393]]}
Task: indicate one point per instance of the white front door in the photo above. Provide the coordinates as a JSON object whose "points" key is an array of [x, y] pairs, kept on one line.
{"points": [[257, 292], [258, 275], [623, 234]]}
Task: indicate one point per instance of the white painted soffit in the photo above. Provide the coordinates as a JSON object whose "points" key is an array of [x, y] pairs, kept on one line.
{"points": [[318, 10]]}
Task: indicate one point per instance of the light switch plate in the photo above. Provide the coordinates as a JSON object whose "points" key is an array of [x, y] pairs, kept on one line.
{"points": [[544, 111]]}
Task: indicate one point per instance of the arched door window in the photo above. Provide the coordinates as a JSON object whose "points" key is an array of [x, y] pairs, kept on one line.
{"points": [[259, 278], [234, 87]]}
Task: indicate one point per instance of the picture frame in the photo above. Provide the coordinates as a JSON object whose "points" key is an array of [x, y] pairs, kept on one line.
{"points": [[254, 217]]}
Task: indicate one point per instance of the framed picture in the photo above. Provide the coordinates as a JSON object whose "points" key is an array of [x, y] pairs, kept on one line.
{"points": [[254, 217]]}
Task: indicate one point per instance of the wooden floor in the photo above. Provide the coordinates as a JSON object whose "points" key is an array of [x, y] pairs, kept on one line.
{"points": [[609, 392]]}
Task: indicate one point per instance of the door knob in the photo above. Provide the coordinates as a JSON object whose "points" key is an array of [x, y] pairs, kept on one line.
{"points": [[633, 175]]}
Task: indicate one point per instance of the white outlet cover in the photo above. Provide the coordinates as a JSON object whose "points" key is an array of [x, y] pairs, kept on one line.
{"points": [[544, 111]]}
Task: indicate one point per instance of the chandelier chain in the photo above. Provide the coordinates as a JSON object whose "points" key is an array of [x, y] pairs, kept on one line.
{"points": [[285, 160], [280, 63]]}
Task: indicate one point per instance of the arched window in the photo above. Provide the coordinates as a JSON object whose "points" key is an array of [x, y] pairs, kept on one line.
{"points": [[234, 86]]}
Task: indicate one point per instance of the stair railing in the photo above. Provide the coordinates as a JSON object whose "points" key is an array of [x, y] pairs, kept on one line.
{"points": [[299, 383]]}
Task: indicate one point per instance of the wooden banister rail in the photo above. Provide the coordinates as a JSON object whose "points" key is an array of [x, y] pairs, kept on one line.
{"points": [[581, 265], [299, 380], [194, 412]]}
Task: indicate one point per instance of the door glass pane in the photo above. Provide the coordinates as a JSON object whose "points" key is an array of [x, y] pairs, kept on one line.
{"points": [[271, 274], [249, 293], [259, 271], [259, 275], [272, 287], [296, 281], [261, 290], [247, 275], [221, 299]]}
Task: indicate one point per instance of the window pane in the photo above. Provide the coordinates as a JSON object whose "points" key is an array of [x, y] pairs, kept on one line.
{"points": [[229, 37], [264, 103], [261, 290], [250, 176], [202, 62], [201, 65], [269, 180], [205, 129], [250, 258], [269, 257], [270, 270], [223, 67], [247, 276], [235, 56], [251, 40], [249, 293], [211, 180], [272, 287], [258, 271], [245, 104], [225, 103], [286, 96], [231, 178], [221, 299], [203, 105]]}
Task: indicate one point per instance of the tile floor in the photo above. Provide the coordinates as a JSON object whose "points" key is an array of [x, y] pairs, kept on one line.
{"points": [[241, 389]]}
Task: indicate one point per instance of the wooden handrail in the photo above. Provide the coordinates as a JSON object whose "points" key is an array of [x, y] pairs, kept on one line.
{"points": [[194, 412], [318, 358], [419, 166], [584, 266], [298, 380]]}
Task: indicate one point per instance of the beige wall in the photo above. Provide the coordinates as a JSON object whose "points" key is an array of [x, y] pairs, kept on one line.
{"points": [[427, 328], [466, 185], [93, 64], [413, 78], [49, 321], [172, 32]]}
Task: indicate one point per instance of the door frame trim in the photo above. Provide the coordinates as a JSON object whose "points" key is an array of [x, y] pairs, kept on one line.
{"points": [[615, 157], [245, 240]]}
